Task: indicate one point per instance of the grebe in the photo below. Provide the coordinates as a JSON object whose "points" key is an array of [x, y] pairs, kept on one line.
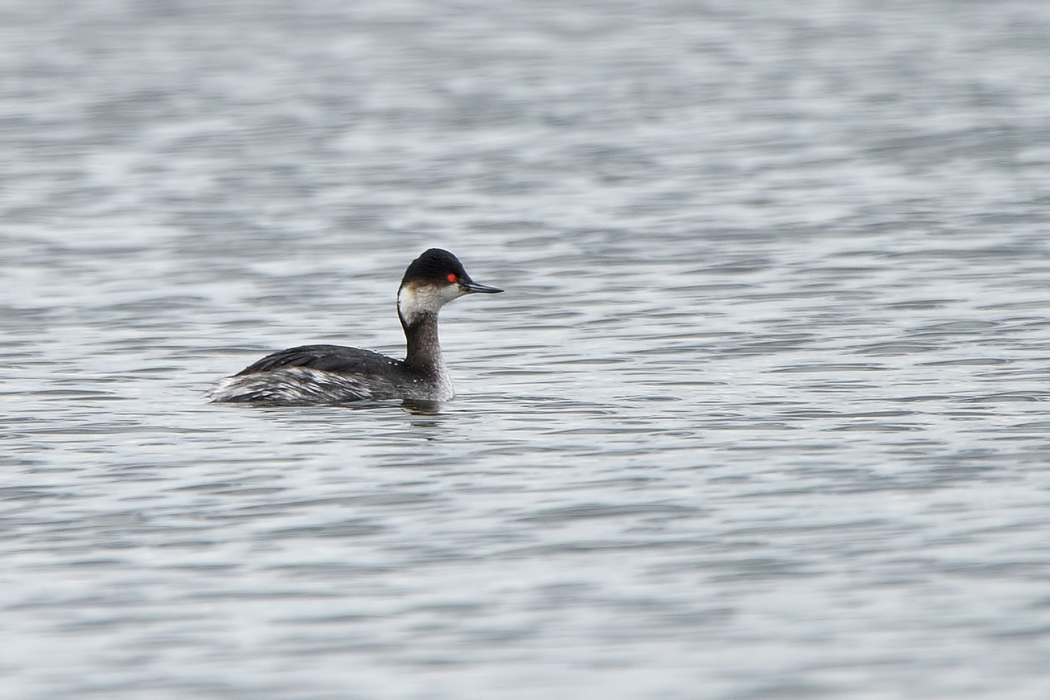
{"points": [[332, 374]]}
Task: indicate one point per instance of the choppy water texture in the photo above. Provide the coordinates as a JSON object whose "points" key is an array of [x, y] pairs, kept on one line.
{"points": [[762, 414]]}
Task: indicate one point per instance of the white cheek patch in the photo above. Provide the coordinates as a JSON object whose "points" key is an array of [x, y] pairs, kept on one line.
{"points": [[415, 300]]}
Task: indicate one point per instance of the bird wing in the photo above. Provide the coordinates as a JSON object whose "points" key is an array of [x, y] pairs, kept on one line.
{"points": [[325, 358]]}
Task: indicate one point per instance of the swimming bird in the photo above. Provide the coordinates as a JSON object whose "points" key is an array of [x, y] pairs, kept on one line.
{"points": [[333, 374]]}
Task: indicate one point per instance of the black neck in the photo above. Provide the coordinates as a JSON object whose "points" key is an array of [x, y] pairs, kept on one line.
{"points": [[424, 350]]}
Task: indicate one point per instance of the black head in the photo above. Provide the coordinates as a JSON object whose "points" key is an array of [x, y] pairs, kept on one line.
{"points": [[433, 267], [432, 280], [440, 268]]}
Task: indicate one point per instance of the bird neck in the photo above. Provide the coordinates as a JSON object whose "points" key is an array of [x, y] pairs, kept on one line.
{"points": [[423, 349]]}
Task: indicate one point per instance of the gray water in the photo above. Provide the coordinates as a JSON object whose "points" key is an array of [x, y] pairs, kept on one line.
{"points": [[762, 414]]}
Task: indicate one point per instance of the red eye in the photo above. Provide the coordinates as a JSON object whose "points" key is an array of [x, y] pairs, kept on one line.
{"points": [[452, 277]]}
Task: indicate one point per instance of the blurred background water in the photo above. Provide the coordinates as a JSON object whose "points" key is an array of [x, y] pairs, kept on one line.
{"points": [[762, 413]]}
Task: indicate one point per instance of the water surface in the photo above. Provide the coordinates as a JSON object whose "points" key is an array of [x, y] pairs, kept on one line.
{"points": [[762, 414]]}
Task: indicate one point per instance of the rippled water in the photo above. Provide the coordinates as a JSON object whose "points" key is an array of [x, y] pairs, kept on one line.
{"points": [[762, 414]]}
